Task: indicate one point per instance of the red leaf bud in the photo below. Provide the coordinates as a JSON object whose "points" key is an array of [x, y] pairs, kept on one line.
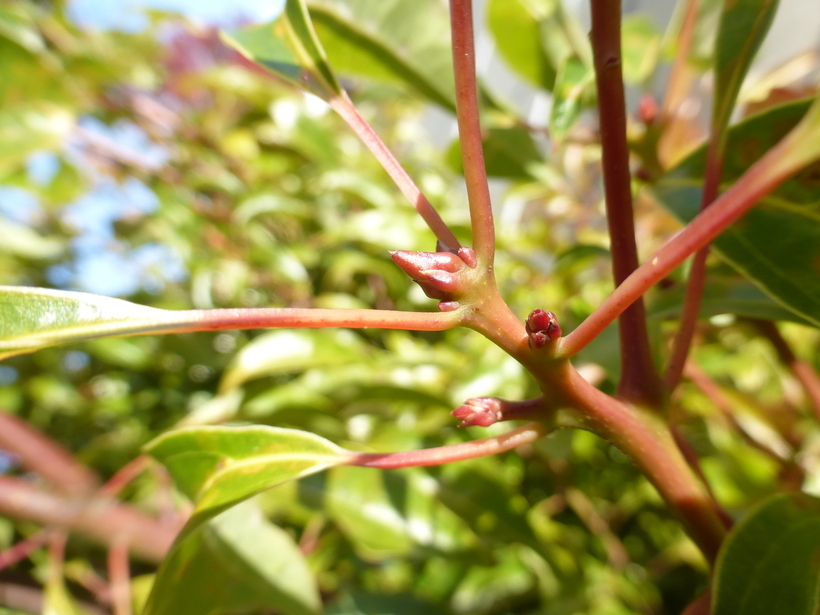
{"points": [[479, 411], [542, 327]]}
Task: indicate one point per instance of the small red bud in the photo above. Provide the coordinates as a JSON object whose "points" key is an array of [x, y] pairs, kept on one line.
{"points": [[479, 412], [448, 306], [648, 109], [542, 327], [468, 256], [433, 271]]}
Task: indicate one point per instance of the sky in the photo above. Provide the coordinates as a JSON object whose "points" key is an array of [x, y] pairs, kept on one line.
{"points": [[129, 15]]}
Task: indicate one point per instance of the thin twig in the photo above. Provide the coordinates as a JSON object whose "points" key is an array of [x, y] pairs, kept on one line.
{"points": [[21, 550], [348, 112], [120, 577], [469, 131], [639, 379], [455, 452]]}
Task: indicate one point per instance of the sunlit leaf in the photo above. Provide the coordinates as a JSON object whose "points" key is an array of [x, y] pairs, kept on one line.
{"points": [[641, 47], [776, 244], [394, 41], [770, 562], [32, 318], [237, 562], [389, 514], [516, 29], [289, 48], [218, 467]]}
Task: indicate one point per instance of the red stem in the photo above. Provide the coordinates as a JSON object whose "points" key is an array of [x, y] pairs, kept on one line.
{"points": [[639, 378], [469, 131], [763, 177], [697, 275], [99, 518], [455, 452], [345, 108], [20, 551], [119, 576], [44, 456], [124, 475]]}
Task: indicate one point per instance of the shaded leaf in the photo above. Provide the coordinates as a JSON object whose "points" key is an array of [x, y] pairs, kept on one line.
{"points": [[394, 41], [236, 562], [776, 244], [742, 28], [359, 602], [289, 48], [770, 562], [218, 467], [723, 294]]}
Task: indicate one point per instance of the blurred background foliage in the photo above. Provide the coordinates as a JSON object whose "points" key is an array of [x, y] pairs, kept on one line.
{"points": [[159, 166]]}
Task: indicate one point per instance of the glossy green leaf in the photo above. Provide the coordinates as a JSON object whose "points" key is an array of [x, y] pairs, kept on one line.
{"points": [[743, 26], [574, 85], [516, 28], [387, 514], [237, 562], [32, 318], [288, 47], [404, 42], [776, 244], [770, 562], [218, 467], [723, 294]]}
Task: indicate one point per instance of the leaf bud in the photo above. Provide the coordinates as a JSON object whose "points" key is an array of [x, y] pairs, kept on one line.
{"points": [[479, 412], [542, 327]]}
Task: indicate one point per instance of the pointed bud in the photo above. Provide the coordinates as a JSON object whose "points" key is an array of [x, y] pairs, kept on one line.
{"points": [[433, 271], [479, 412], [542, 327], [468, 256]]}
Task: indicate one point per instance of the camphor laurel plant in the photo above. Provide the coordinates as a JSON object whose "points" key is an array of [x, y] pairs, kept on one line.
{"points": [[218, 467]]}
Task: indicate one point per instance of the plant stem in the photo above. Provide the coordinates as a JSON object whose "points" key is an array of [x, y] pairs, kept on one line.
{"points": [[697, 274], [345, 108], [803, 370], [646, 440], [455, 452], [119, 576], [469, 131], [42, 455], [639, 379], [777, 165], [21, 550], [99, 518]]}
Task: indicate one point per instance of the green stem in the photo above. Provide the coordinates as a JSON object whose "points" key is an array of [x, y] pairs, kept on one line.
{"points": [[639, 379], [469, 131]]}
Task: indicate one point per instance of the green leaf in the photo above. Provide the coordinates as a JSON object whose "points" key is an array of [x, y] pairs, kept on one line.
{"points": [[218, 467], [402, 42], [776, 244], [743, 26], [770, 562], [516, 28], [289, 48], [723, 294], [574, 84], [237, 562], [33, 318], [279, 352], [388, 514], [641, 47]]}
